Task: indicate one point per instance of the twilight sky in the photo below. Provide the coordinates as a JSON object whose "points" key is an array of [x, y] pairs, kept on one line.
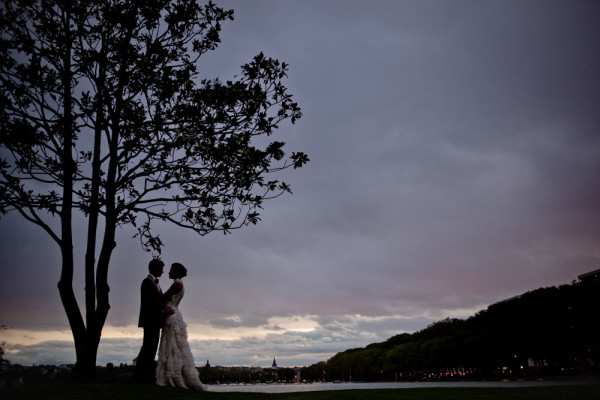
{"points": [[455, 160]]}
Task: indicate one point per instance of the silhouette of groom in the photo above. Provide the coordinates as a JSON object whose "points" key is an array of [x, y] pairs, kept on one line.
{"points": [[151, 316]]}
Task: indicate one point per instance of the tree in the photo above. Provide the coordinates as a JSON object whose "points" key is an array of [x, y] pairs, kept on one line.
{"points": [[102, 113]]}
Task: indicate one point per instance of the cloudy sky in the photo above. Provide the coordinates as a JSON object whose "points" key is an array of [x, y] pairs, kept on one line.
{"points": [[455, 159]]}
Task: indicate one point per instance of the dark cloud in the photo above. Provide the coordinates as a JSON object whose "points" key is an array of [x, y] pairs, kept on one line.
{"points": [[454, 163], [236, 322], [55, 352]]}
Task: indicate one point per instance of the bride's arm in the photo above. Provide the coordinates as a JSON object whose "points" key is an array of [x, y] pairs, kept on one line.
{"points": [[175, 288]]}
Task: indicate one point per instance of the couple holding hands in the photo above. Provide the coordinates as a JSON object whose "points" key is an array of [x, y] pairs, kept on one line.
{"points": [[159, 311]]}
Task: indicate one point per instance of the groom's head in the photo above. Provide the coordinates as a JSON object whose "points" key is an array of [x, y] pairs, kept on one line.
{"points": [[155, 267]]}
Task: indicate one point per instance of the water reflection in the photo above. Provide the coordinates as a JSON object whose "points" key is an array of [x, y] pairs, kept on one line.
{"points": [[308, 387]]}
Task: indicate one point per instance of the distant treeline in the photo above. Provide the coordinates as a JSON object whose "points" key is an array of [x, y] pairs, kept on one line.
{"points": [[15, 374], [549, 331], [246, 375]]}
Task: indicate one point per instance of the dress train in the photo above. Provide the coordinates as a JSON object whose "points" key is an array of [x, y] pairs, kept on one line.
{"points": [[176, 365]]}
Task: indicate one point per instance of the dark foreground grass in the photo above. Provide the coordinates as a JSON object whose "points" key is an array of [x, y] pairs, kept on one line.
{"points": [[115, 391]]}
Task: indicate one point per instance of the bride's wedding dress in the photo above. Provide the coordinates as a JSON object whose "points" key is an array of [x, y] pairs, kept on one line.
{"points": [[176, 365]]}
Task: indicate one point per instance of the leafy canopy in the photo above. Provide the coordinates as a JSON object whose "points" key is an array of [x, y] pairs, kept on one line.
{"points": [[102, 110]]}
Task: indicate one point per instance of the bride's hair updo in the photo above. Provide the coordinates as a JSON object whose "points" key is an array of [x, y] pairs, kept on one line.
{"points": [[179, 270]]}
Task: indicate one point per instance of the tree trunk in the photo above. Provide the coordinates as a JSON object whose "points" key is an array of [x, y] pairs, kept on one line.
{"points": [[94, 327], [85, 363], [85, 368], [102, 287]]}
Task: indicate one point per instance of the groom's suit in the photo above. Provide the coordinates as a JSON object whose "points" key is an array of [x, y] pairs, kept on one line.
{"points": [[152, 304], [151, 314]]}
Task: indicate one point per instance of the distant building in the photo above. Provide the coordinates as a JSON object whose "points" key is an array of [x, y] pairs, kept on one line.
{"points": [[593, 276], [274, 374]]}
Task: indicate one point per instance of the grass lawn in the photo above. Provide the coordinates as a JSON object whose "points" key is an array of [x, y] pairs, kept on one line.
{"points": [[116, 391]]}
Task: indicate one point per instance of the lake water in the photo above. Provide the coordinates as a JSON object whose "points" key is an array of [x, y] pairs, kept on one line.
{"points": [[308, 387]]}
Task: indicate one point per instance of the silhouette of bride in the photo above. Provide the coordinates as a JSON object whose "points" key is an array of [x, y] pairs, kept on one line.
{"points": [[176, 365]]}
